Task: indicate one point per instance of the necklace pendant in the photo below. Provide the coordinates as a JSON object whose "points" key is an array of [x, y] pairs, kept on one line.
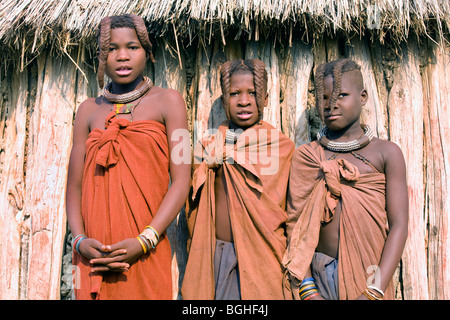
{"points": [[121, 108]]}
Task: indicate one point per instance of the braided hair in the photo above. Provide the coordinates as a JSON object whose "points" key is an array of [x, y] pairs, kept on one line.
{"points": [[254, 66], [104, 37], [334, 68]]}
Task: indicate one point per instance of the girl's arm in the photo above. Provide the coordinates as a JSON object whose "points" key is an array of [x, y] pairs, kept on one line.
{"points": [[397, 214], [175, 118], [75, 172]]}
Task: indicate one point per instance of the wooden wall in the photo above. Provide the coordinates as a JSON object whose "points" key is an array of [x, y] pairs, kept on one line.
{"points": [[409, 90]]}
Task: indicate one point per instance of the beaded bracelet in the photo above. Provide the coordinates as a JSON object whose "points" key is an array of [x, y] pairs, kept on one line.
{"points": [[311, 296], [308, 289], [370, 295], [154, 231], [74, 240], [77, 241], [381, 293], [151, 235], [143, 245], [146, 242]]}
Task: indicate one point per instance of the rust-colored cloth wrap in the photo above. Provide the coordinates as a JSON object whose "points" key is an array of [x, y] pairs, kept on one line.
{"points": [[315, 187], [256, 171], [126, 177]]}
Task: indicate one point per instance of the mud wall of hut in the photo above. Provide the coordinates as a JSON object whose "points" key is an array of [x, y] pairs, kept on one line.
{"points": [[409, 90]]}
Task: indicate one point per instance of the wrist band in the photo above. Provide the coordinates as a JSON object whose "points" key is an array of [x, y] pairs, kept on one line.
{"points": [[377, 290], [151, 235], [371, 296], [154, 231], [144, 248], [76, 242], [311, 296], [308, 289]]}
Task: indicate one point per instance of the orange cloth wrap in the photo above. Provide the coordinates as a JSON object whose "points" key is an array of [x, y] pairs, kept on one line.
{"points": [[256, 171], [315, 186], [125, 179]]}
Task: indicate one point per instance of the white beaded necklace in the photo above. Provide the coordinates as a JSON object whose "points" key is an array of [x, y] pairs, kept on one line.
{"points": [[345, 146]]}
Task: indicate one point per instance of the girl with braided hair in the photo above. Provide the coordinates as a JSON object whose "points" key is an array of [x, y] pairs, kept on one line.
{"points": [[118, 199], [236, 211], [347, 199], [253, 67]]}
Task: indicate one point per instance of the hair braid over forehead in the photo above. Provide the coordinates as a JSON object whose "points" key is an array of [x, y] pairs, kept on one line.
{"points": [[142, 33], [225, 76], [260, 81], [335, 69], [254, 66], [104, 38], [103, 43], [337, 82], [318, 79]]}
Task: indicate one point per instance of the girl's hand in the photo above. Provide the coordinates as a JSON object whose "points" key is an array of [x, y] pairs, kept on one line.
{"points": [[91, 248], [119, 256]]}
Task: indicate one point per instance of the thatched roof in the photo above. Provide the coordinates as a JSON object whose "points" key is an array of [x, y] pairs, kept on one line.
{"points": [[28, 25]]}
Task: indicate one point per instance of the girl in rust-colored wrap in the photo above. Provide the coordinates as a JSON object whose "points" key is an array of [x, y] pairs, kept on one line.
{"points": [[347, 199], [236, 214], [119, 202]]}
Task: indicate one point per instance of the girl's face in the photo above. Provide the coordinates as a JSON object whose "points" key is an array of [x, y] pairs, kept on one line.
{"points": [[126, 58], [347, 110], [243, 107]]}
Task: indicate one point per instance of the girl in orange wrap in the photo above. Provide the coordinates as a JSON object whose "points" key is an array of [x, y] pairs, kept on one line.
{"points": [[236, 215], [118, 200], [347, 199]]}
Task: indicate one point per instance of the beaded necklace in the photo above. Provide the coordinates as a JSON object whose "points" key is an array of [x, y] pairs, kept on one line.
{"points": [[357, 156], [231, 136], [121, 101], [356, 144], [129, 96], [128, 108]]}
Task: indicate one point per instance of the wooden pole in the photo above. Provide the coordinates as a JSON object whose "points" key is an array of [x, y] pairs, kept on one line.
{"points": [[436, 84], [14, 222], [405, 109], [50, 140]]}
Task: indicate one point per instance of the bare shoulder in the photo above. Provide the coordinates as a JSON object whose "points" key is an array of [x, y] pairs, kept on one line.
{"points": [[389, 151], [91, 113], [165, 104], [170, 98], [88, 106], [386, 148]]}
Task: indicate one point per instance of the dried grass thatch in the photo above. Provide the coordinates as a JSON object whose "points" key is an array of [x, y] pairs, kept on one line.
{"points": [[26, 26]]}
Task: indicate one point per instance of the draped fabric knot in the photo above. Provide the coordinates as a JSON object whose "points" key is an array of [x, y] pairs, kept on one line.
{"points": [[119, 200], [109, 148], [334, 171], [256, 212], [213, 163]]}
